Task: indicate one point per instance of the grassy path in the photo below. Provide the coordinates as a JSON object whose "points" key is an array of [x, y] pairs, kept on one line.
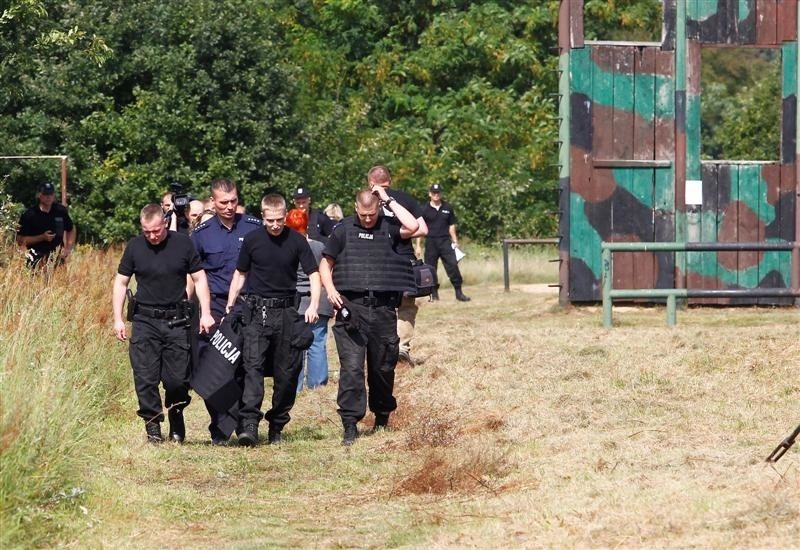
{"points": [[525, 426]]}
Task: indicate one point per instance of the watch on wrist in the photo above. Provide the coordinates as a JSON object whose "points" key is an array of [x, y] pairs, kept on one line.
{"points": [[388, 201]]}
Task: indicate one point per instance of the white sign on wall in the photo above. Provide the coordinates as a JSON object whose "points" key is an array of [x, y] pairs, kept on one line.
{"points": [[694, 192]]}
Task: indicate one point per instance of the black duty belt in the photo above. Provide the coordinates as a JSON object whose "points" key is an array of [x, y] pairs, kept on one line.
{"points": [[258, 301], [372, 298], [156, 312]]}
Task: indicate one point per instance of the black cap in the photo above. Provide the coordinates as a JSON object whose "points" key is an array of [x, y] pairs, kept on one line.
{"points": [[46, 188], [435, 188], [301, 193]]}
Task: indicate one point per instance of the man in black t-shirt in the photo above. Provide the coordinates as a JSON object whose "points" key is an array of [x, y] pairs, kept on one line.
{"points": [[365, 278], [407, 312], [159, 343], [45, 227], [319, 224], [274, 333], [442, 241]]}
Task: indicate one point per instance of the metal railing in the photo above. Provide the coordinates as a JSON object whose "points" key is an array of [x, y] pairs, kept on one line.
{"points": [[672, 294], [507, 242]]}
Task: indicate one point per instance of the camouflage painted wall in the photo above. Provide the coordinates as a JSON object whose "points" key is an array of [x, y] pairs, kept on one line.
{"points": [[631, 130]]}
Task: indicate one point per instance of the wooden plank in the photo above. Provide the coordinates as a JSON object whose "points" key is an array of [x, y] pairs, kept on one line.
{"points": [[749, 222], [603, 98], [770, 195], [664, 106], [576, 23], [664, 225], [787, 20], [644, 135], [788, 190], [623, 115], [626, 163], [708, 228], [644, 263], [729, 225], [620, 222], [767, 22]]}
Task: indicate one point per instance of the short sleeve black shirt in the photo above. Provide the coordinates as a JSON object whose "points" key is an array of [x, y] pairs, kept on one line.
{"points": [[271, 262], [319, 225], [34, 222], [404, 247], [160, 270], [439, 221]]}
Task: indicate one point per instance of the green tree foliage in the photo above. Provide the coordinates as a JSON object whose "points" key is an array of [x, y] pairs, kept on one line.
{"points": [[444, 92], [741, 104], [191, 92], [273, 94]]}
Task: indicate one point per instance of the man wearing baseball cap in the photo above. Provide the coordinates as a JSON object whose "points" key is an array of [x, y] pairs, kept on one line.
{"points": [[320, 226], [441, 240], [46, 226]]}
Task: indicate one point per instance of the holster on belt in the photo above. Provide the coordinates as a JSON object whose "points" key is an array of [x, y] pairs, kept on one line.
{"points": [[131, 309]]}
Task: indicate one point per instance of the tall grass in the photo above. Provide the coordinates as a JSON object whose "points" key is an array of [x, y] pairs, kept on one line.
{"points": [[483, 265], [56, 384]]}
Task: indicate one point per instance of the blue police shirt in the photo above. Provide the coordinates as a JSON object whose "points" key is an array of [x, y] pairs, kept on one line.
{"points": [[219, 246]]}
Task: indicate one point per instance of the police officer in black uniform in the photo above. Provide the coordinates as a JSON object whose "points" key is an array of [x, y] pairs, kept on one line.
{"points": [[45, 227], [319, 224], [218, 241], [365, 279], [441, 240], [379, 175], [159, 347], [274, 333]]}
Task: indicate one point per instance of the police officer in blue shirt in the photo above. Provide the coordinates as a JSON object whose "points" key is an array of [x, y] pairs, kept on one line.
{"points": [[218, 241]]}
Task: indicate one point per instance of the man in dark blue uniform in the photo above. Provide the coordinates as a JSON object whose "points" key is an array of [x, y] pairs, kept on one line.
{"points": [[442, 240], [274, 333], [45, 227], [319, 224], [218, 242], [160, 347], [365, 279]]}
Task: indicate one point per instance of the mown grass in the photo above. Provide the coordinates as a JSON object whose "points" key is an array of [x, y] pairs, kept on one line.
{"points": [[527, 425]]}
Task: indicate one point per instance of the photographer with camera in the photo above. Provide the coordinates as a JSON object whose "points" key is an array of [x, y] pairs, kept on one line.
{"points": [[159, 343], [175, 205], [45, 227], [365, 279]]}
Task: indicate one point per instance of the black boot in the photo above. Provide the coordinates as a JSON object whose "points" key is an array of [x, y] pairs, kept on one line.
{"points": [[177, 427], [381, 423], [350, 434], [273, 436], [153, 430], [460, 296], [248, 437], [435, 295]]}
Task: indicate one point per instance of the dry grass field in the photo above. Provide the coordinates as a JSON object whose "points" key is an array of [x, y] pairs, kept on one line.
{"points": [[526, 426]]}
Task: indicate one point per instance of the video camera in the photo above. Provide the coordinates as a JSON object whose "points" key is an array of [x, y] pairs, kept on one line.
{"points": [[180, 199]]}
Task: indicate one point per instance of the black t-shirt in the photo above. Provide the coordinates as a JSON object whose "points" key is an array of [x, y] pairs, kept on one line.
{"points": [[338, 239], [404, 247], [439, 221], [160, 270], [271, 262], [319, 225], [34, 222]]}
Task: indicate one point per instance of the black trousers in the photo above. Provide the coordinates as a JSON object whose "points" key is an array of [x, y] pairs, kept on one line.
{"points": [[439, 247], [267, 351], [375, 339], [159, 354]]}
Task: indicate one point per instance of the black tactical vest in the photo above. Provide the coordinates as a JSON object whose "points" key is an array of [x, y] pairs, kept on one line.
{"points": [[368, 261]]}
